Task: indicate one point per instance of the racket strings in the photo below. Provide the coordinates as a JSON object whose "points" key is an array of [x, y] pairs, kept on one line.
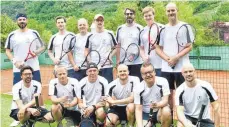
{"points": [[132, 52]]}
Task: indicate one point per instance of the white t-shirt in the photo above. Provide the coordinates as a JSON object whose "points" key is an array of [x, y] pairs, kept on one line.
{"points": [[155, 60], [91, 93], [19, 43], [79, 48], [101, 42], [55, 44], [146, 96], [193, 98], [20, 92], [129, 34], [120, 91], [170, 47]]}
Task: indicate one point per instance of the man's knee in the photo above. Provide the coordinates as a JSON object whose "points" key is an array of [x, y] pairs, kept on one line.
{"points": [[111, 119], [56, 109], [100, 114], [130, 108], [165, 115]]}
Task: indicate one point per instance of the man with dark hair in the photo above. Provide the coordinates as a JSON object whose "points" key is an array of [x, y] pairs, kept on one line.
{"points": [[23, 105], [127, 34], [151, 99], [18, 41], [91, 96], [55, 46]]}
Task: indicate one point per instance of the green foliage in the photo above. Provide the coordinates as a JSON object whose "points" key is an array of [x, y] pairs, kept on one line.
{"points": [[7, 25]]}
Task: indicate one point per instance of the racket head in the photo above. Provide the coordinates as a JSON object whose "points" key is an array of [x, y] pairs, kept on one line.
{"points": [[132, 52], [153, 36], [92, 54], [68, 44], [111, 58], [87, 122], [36, 48], [186, 34]]}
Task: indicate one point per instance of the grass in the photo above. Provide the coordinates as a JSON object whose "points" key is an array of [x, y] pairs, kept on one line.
{"points": [[5, 105]]}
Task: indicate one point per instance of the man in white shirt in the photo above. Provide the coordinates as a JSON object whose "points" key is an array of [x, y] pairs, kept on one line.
{"points": [[63, 91], [92, 93], [23, 107], [103, 41], [77, 56], [121, 97], [189, 98], [18, 41], [151, 99], [55, 46], [127, 34], [153, 58]]}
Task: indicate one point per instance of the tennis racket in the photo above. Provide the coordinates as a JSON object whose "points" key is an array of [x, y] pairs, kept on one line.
{"points": [[37, 107], [132, 52], [185, 36], [92, 56], [153, 37], [36, 47], [67, 45]]}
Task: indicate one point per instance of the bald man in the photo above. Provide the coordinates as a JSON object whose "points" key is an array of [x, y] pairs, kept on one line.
{"points": [[189, 98], [77, 56], [121, 97], [172, 61]]}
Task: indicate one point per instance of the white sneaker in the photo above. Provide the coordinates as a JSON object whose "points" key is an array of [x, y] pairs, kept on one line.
{"points": [[14, 123]]}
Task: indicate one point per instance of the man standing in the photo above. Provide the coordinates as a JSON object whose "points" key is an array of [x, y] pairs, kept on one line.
{"points": [[167, 50], [78, 52], [103, 41], [23, 105], [121, 98], [129, 33], [153, 58], [18, 41], [55, 46], [63, 91], [151, 100], [91, 96], [191, 95]]}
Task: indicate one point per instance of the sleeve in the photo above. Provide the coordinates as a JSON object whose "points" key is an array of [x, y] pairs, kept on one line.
{"points": [[165, 89], [141, 40], [191, 34], [88, 41], [137, 97], [51, 41], [36, 34], [81, 83], [178, 96], [8, 43], [136, 84], [211, 92], [51, 88], [118, 34], [39, 88], [109, 88], [114, 42], [76, 88], [16, 91], [161, 37]]}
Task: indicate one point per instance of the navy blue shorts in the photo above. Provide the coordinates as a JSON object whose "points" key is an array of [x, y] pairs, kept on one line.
{"points": [[173, 77], [120, 111], [77, 74], [107, 73], [17, 76], [135, 70]]}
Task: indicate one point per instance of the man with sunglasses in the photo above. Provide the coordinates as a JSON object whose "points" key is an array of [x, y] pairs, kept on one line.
{"points": [[103, 41], [151, 99], [129, 33]]}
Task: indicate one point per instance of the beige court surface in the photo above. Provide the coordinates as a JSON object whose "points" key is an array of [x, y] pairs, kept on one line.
{"points": [[219, 80]]}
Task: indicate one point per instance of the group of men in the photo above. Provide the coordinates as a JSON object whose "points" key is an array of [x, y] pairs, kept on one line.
{"points": [[91, 91]]}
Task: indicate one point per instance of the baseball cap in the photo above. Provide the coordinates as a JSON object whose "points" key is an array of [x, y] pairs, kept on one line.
{"points": [[98, 16], [21, 15], [92, 65]]}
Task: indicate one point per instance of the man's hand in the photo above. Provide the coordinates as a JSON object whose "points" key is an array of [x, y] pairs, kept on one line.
{"points": [[19, 64], [76, 68], [173, 61], [88, 111], [56, 61], [21, 113], [146, 59], [109, 100], [64, 99], [35, 112]]}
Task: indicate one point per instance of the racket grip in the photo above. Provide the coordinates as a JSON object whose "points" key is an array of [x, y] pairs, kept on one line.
{"points": [[37, 101]]}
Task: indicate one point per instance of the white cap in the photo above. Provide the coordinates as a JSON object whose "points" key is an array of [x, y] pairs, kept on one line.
{"points": [[98, 16]]}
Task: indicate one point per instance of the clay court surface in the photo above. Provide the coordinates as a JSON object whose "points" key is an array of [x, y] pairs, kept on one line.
{"points": [[219, 80]]}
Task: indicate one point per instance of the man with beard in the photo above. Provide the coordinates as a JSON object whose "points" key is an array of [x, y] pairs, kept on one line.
{"points": [[151, 99], [167, 51], [63, 91], [55, 46], [78, 52], [91, 96], [191, 95], [103, 41], [18, 41], [121, 98], [23, 105], [153, 58], [129, 33]]}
